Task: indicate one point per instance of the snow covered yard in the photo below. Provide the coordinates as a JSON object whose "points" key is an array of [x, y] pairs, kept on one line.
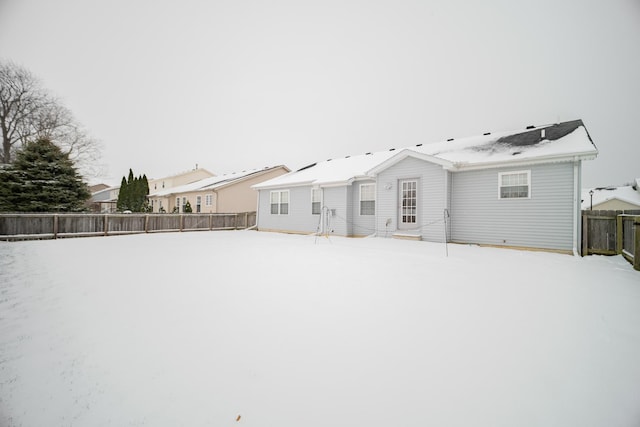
{"points": [[198, 329]]}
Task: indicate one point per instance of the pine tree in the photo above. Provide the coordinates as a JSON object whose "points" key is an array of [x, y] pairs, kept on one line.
{"points": [[133, 193], [187, 207], [121, 204], [42, 179]]}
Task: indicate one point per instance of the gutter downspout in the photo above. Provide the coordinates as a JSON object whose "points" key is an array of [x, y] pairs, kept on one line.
{"points": [[257, 211], [576, 210], [446, 203]]}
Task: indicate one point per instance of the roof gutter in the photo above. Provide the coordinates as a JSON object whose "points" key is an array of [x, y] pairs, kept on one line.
{"points": [[461, 166]]}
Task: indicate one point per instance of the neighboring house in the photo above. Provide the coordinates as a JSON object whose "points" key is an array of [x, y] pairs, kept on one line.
{"points": [[612, 198], [179, 179], [103, 198], [230, 193], [159, 185], [518, 189]]}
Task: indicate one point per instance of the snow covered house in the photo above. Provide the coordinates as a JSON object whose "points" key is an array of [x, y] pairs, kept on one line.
{"points": [[517, 189], [622, 198], [228, 193]]}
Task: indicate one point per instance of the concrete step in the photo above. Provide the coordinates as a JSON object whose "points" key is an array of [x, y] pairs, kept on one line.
{"points": [[407, 235]]}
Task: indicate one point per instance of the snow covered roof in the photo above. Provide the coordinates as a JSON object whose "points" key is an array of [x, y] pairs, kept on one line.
{"points": [[628, 194], [212, 183], [555, 142]]}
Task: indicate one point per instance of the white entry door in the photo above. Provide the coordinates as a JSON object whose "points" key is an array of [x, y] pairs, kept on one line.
{"points": [[408, 215]]}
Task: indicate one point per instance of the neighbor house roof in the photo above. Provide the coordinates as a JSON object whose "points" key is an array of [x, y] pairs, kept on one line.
{"points": [[214, 183], [628, 194], [555, 142]]}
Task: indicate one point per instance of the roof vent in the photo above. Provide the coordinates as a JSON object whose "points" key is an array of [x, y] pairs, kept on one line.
{"points": [[515, 153], [346, 157], [328, 160], [531, 127], [392, 149], [450, 139], [418, 145], [367, 154], [307, 167], [487, 133]]}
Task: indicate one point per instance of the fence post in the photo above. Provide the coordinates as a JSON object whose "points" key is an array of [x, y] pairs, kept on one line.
{"points": [[146, 223], [55, 226], [585, 235], [210, 222], [636, 250], [619, 234], [181, 222]]}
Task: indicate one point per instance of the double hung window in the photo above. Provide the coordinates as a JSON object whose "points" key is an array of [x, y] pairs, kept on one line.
{"points": [[280, 202], [316, 201], [514, 185], [367, 199]]}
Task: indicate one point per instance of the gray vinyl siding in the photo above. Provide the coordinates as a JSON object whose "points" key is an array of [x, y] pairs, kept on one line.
{"points": [[335, 199], [362, 225], [545, 220], [300, 219], [432, 185]]}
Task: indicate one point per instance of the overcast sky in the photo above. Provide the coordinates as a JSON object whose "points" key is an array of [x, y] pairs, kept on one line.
{"points": [[233, 85]]}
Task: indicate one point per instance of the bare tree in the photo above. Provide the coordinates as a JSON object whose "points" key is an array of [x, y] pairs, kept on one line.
{"points": [[28, 112]]}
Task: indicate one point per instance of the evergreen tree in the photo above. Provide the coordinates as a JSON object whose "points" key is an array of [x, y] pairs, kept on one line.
{"points": [[187, 207], [133, 193], [42, 179], [121, 204]]}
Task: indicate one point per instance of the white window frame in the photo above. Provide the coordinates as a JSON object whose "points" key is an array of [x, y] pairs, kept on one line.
{"points": [[178, 203], [527, 173], [318, 192], [198, 204], [278, 202], [208, 199], [371, 184]]}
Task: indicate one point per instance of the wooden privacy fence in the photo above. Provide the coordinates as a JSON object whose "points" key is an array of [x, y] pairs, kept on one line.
{"points": [[612, 233], [53, 226]]}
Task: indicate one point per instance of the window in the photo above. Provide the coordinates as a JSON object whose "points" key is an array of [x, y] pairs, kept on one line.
{"points": [[514, 185], [280, 202], [177, 204], [316, 201], [208, 200], [198, 203], [367, 199]]}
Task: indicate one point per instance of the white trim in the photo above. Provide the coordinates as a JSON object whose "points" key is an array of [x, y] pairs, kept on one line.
{"points": [[519, 172], [276, 186], [464, 166], [408, 153], [577, 214]]}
